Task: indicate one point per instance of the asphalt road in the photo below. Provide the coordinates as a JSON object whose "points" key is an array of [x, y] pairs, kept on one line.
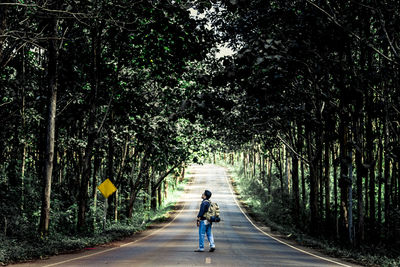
{"points": [[238, 242]]}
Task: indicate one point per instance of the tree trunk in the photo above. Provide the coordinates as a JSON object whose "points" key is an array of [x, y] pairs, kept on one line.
{"points": [[344, 183], [135, 188], [394, 186], [296, 195], [254, 161], [288, 170], [313, 185], [360, 174], [394, 231], [24, 128], [321, 182], [165, 189], [165, 174], [97, 164], [23, 167], [116, 206], [159, 196], [335, 192], [262, 167], [380, 179], [242, 159], [183, 171], [92, 133], [327, 188], [303, 185], [371, 169], [150, 191], [51, 127], [269, 175], [153, 193], [387, 176], [350, 208], [113, 200], [280, 165]]}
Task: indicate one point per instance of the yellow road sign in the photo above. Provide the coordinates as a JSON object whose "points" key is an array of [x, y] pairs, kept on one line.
{"points": [[107, 188]]}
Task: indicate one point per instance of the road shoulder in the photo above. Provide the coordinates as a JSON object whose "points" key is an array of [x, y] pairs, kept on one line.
{"points": [[249, 214]]}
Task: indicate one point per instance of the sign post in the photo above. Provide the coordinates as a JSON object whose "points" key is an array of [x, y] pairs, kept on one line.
{"points": [[105, 213], [107, 188]]}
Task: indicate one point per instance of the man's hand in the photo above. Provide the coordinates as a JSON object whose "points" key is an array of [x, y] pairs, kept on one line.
{"points": [[198, 222]]}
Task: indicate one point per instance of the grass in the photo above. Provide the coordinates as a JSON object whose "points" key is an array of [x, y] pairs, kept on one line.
{"points": [[18, 250], [257, 210]]}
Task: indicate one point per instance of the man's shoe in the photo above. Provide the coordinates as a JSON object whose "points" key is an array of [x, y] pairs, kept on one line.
{"points": [[212, 249], [199, 250]]}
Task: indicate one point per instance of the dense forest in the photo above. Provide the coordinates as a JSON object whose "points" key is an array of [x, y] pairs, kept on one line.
{"points": [[133, 91], [94, 90], [321, 81]]}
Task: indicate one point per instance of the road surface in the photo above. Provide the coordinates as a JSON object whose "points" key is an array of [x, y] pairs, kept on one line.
{"points": [[238, 242]]}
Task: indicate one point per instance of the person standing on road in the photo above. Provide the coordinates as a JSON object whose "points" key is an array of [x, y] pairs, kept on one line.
{"points": [[203, 224]]}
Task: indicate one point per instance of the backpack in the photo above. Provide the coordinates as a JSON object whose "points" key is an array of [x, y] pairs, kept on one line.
{"points": [[212, 215]]}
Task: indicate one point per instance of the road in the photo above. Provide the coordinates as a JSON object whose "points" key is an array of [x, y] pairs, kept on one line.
{"points": [[238, 241]]}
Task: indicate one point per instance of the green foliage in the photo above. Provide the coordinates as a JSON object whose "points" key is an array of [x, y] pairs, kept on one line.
{"points": [[123, 74], [272, 207], [320, 79], [140, 93], [269, 210], [28, 246]]}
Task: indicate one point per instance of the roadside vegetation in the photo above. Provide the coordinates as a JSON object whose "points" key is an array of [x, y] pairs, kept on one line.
{"points": [[271, 211], [25, 248]]}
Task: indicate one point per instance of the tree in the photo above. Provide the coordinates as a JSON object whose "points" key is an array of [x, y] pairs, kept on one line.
{"points": [[52, 67]]}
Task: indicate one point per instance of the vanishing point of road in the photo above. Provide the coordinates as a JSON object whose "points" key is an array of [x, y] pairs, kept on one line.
{"points": [[238, 241]]}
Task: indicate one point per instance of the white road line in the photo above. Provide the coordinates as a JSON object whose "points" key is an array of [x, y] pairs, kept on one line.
{"points": [[280, 241], [124, 245]]}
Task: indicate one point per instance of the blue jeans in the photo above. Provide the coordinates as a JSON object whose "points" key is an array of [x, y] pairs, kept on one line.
{"points": [[203, 230]]}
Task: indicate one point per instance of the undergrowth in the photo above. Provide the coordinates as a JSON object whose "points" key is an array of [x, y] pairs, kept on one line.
{"points": [[30, 247]]}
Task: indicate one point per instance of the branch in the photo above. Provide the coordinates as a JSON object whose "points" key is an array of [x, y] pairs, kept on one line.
{"points": [[13, 55], [164, 175], [383, 96], [65, 107], [6, 103], [334, 20], [62, 39], [105, 115], [294, 152], [43, 8], [26, 41], [386, 33], [78, 16]]}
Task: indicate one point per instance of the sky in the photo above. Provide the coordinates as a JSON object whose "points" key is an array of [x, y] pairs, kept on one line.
{"points": [[224, 50]]}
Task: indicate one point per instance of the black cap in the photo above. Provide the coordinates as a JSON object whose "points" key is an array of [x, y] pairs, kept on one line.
{"points": [[207, 194]]}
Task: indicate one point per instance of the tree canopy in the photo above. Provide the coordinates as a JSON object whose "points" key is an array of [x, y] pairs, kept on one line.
{"points": [[133, 91]]}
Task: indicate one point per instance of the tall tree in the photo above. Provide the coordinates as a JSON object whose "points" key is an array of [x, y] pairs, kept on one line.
{"points": [[52, 73]]}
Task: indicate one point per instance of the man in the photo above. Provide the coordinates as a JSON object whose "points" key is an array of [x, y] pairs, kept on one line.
{"points": [[203, 224]]}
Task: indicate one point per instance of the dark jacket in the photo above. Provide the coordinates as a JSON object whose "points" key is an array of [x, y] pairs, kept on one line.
{"points": [[203, 209]]}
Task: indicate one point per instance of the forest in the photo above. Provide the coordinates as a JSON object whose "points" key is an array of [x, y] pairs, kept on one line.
{"points": [[307, 105]]}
